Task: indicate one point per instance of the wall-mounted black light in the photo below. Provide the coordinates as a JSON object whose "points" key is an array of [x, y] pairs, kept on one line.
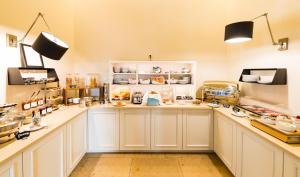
{"points": [[47, 44], [243, 31]]}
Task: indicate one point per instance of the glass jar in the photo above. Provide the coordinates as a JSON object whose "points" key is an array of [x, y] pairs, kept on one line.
{"points": [[76, 81], [92, 80], [68, 80]]}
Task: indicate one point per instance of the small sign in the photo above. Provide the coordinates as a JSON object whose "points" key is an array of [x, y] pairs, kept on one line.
{"points": [[22, 135]]}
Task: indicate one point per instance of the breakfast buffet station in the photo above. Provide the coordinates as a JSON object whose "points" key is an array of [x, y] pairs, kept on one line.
{"points": [[148, 106]]}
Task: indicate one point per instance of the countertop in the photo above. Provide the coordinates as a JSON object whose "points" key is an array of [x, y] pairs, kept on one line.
{"points": [[293, 149], [59, 118], [54, 121]]}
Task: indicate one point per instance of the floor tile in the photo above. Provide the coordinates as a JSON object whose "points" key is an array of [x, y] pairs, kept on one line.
{"points": [[155, 167], [203, 166], [151, 165]]}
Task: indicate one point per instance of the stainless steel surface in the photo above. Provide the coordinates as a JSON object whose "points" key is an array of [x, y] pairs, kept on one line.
{"points": [[8, 128], [221, 91]]}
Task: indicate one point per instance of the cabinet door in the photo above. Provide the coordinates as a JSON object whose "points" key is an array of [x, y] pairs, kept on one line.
{"points": [[12, 168], [225, 140], [256, 157], [166, 129], [103, 130], [76, 141], [47, 157], [197, 129], [291, 166], [135, 129]]}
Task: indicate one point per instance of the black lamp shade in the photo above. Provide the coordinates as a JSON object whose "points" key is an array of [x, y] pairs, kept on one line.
{"points": [[239, 32], [49, 46]]}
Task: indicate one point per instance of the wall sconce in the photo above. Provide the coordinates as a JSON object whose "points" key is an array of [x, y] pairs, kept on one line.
{"points": [[47, 44], [243, 31]]}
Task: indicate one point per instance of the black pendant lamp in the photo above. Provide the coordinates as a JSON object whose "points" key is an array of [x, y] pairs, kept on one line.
{"points": [[239, 32], [243, 31], [47, 44]]}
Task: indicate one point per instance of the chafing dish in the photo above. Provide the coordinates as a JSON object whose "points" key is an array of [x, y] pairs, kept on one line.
{"points": [[10, 121], [220, 91]]}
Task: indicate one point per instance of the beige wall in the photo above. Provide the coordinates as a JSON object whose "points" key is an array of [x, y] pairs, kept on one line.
{"points": [[103, 30], [284, 17], [168, 30], [15, 18]]}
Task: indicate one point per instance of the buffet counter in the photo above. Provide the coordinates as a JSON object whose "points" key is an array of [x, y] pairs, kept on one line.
{"points": [[293, 149], [53, 121], [186, 128]]}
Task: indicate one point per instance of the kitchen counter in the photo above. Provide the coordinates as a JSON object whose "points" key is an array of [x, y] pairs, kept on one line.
{"points": [[61, 117], [293, 149], [54, 121]]}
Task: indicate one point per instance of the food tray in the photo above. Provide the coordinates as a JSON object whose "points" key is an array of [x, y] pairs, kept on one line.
{"points": [[288, 137]]}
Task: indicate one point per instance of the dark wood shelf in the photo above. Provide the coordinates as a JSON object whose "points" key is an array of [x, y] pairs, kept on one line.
{"points": [[280, 76], [15, 77]]}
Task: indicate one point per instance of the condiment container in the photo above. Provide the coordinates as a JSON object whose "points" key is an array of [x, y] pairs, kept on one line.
{"points": [[26, 105], [33, 103], [70, 100], [43, 111], [76, 100], [41, 102], [49, 109]]}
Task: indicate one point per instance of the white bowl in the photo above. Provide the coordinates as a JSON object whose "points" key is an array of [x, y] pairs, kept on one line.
{"points": [[285, 126], [145, 81], [250, 78], [265, 79]]}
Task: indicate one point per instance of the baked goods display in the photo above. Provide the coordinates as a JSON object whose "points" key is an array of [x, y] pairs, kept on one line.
{"points": [[121, 95], [158, 80]]}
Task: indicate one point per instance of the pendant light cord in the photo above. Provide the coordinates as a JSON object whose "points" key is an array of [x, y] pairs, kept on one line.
{"points": [[269, 26], [32, 25]]}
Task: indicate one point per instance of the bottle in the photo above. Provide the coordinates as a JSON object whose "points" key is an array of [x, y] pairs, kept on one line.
{"points": [[36, 119]]}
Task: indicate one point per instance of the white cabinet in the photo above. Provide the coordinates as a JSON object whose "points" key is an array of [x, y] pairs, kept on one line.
{"points": [[166, 129], [12, 168], [103, 130], [225, 140], [135, 129], [47, 157], [291, 166], [256, 157], [197, 129], [76, 141]]}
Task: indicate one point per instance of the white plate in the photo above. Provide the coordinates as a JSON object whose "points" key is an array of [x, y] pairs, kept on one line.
{"points": [[239, 114], [213, 105], [33, 128]]}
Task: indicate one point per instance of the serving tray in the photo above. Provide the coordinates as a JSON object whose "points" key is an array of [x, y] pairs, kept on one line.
{"points": [[288, 137]]}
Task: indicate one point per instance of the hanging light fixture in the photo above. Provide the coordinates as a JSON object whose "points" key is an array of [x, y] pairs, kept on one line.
{"points": [[243, 31], [47, 44]]}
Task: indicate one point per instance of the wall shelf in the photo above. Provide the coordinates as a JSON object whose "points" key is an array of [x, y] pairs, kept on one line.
{"points": [[31, 76], [280, 75], [139, 71]]}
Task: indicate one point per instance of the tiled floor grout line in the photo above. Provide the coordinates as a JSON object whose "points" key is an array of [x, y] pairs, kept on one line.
{"points": [[179, 166], [130, 166]]}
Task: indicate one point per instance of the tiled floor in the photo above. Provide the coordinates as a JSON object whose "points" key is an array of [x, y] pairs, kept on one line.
{"points": [[151, 165]]}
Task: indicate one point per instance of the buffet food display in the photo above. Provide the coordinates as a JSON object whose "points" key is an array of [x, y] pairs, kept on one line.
{"points": [[142, 76]]}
